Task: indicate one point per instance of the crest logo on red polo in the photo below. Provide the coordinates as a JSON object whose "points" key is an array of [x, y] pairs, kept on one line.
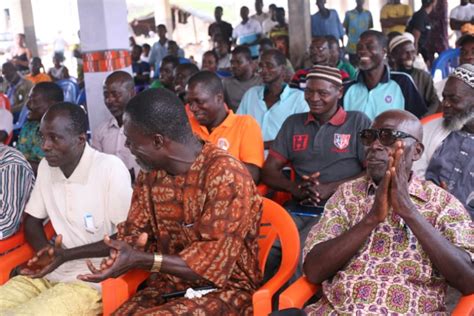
{"points": [[300, 142], [341, 141]]}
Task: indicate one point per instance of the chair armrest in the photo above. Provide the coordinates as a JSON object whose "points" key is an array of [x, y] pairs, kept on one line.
{"points": [[297, 294], [465, 306], [11, 260], [117, 291]]}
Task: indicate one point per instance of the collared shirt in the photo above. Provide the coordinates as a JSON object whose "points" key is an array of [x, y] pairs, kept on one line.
{"points": [[158, 51], [270, 119], [110, 139], [16, 182], [84, 207], [396, 90], [425, 85], [29, 141], [41, 77], [239, 135], [356, 23], [331, 25], [395, 11], [390, 273], [453, 163], [235, 89], [333, 149]]}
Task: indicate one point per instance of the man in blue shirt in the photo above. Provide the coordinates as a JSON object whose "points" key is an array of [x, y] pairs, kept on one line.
{"points": [[270, 104], [326, 22], [356, 21], [377, 89]]}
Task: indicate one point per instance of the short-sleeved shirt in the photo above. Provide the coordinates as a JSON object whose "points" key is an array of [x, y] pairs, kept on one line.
{"points": [[333, 149], [235, 89], [395, 11], [249, 28], [453, 163], [420, 21], [396, 90], [463, 13], [331, 25], [209, 217], [390, 273], [270, 120], [239, 135], [29, 141], [99, 188], [356, 23], [110, 139]]}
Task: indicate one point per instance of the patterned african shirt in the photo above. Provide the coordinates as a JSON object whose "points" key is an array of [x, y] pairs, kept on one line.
{"points": [[210, 218], [29, 141], [390, 273]]}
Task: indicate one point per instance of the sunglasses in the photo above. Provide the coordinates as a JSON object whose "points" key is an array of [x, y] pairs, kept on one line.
{"points": [[386, 136]]}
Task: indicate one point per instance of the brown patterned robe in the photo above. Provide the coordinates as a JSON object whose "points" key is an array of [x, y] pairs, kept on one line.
{"points": [[209, 217]]}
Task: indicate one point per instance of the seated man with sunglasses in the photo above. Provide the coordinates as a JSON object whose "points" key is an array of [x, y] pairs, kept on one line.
{"points": [[389, 242]]}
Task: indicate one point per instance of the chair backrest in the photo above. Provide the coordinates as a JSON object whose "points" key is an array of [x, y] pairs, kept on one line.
{"points": [[446, 62], [4, 102], [70, 89], [81, 98], [431, 117], [21, 118], [277, 223]]}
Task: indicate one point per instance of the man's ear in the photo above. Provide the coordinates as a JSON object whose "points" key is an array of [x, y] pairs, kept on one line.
{"points": [[220, 97], [419, 149], [158, 141], [82, 138]]}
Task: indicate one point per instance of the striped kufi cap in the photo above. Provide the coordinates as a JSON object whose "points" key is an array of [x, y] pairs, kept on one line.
{"points": [[465, 73], [327, 73], [400, 39]]}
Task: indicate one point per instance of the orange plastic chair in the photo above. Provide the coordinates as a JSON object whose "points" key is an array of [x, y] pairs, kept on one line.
{"points": [[431, 117], [275, 223], [297, 294], [19, 252], [4, 102]]}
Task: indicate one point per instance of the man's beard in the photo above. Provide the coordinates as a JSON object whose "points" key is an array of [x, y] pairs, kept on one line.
{"points": [[458, 121]]}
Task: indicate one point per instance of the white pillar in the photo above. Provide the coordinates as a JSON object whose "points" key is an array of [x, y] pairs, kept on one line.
{"points": [[163, 15], [104, 44], [299, 23]]}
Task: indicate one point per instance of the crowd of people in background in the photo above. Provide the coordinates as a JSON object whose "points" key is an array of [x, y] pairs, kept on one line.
{"points": [[384, 205]]}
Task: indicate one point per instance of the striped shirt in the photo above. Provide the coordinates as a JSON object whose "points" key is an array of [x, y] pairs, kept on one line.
{"points": [[16, 182]]}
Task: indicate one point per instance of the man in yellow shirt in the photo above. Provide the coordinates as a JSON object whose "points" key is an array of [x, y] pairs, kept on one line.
{"points": [[394, 16], [211, 120]]}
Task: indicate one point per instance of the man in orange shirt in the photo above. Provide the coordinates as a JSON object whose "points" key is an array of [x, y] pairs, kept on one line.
{"points": [[36, 76], [213, 121]]}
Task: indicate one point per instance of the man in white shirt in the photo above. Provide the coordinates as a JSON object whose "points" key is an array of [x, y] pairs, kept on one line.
{"points": [[85, 194], [108, 138], [248, 32], [259, 16], [463, 13]]}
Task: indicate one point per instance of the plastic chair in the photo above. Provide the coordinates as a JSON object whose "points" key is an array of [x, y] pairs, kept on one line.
{"points": [[19, 251], [275, 223], [4, 102], [302, 290], [431, 117], [81, 98], [446, 62], [70, 89]]}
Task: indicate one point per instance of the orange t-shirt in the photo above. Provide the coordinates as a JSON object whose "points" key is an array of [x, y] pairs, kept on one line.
{"points": [[240, 135], [41, 77]]}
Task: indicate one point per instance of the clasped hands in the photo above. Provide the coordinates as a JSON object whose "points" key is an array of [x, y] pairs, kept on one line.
{"points": [[310, 191], [392, 190]]}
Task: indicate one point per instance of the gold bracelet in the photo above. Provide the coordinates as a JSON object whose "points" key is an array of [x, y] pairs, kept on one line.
{"points": [[157, 261]]}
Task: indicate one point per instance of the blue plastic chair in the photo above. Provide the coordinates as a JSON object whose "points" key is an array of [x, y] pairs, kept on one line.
{"points": [[70, 89], [246, 39], [81, 98], [446, 62]]}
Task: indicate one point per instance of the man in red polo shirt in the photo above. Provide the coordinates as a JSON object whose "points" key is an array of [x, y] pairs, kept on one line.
{"points": [[321, 146]]}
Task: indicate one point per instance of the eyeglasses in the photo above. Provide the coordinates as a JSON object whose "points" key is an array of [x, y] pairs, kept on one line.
{"points": [[386, 136]]}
